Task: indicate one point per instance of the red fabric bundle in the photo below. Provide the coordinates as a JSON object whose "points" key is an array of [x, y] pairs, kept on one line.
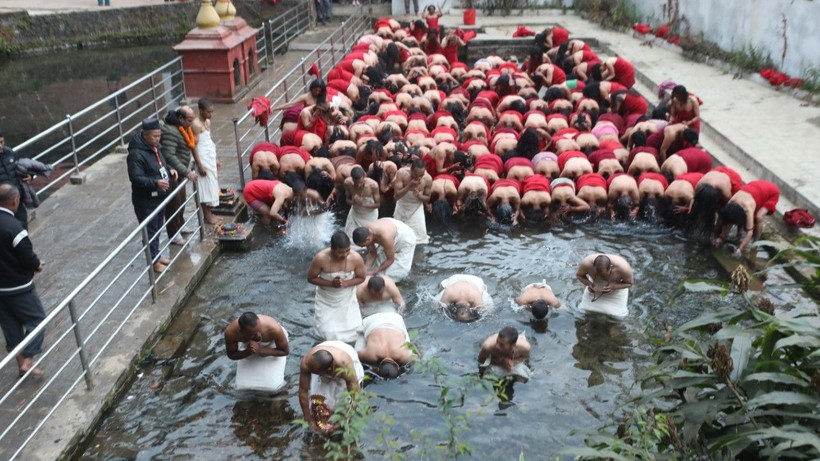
{"points": [[662, 31], [799, 217], [675, 40], [641, 28], [522, 31], [466, 35], [260, 107]]}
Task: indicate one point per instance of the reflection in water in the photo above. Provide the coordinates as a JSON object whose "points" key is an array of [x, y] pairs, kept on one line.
{"points": [[602, 342], [580, 364]]}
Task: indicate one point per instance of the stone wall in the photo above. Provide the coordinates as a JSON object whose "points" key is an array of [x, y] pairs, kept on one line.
{"points": [[786, 30], [20, 32]]}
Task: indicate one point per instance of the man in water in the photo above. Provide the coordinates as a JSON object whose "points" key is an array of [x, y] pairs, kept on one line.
{"points": [[504, 355], [336, 271], [379, 293], [326, 371], [390, 245], [607, 278], [386, 346], [412, 192], [538, 298], [464, 297], [262, 335]]}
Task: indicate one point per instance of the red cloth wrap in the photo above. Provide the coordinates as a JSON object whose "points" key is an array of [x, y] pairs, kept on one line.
{"points": [[564, 157], [516, 161], [633, 104], [653, 176], [506, 183], [537, 183], [691, 178], [260, 108], [261, 190], [624, 73], [734, 177], [637, 150], [288, 150], [611, 144], [765, 194], [489, 162], [449, 177], [601, 154], [264, 146], [591, 180], [479, 176], [559, 35], [697, 160]]}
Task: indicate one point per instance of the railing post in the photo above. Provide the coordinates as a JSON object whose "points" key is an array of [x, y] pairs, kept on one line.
{"points": [[270, 34], [182, 78], [152, 279], [287, 91], [332, 50], [78, 336], [344, 36], [119, 119], [73, 144], [154, 95], [304, 72], [200, 216], [239, 154]]}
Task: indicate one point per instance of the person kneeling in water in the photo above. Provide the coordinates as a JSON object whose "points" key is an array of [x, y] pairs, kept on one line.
{"points": [[504, 354], [538, 298], [386, 344], [464, 297]]}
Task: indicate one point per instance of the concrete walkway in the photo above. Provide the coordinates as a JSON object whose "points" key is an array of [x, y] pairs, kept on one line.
{"points": [[762, 132]]}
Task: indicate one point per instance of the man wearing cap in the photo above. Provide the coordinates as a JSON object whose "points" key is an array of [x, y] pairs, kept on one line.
{"points": [[179, 145], [150, 182], [8, 174]]}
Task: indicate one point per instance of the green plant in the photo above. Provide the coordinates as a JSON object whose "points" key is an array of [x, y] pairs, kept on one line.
{"points": [[750, 59], [351, 417], [801, 259], [811, 80]]}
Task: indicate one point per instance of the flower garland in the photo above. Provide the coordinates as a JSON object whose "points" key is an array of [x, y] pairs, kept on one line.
{"points": [[188, 136]]}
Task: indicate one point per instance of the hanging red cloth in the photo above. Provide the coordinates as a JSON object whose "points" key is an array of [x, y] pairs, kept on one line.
{"points": [[260, 107]]}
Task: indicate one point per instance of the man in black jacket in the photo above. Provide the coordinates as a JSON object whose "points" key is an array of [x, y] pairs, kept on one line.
{"points": [[8, 174], [20, 307], [150, 182]]}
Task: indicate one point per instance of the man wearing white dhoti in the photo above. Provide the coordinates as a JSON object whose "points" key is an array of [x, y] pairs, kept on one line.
{"points": [[260, 344], [504, 354], [390, 245], [385, 344], [379, 293], [412, 192], [207, 182], [327, 370], [364, 198], [538, 298], [464, 297], [607, 278], [336, 272]]}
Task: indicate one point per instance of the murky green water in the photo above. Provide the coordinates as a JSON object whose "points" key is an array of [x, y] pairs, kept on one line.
{"points": [[186, 408]]}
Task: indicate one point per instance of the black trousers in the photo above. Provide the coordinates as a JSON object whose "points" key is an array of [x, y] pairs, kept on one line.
{"points": [[175, 223], [22, 215], [20, 314], [143, 208]]}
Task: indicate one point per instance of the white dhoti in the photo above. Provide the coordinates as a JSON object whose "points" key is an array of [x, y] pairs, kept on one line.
{"points": [[261, 373], [613, 303], [360, 216], [471, 279], [404, 247], [519, 371], [410, 211], [377, 307], [373, 322], [207, 185], [337, 310], [326, 391]]}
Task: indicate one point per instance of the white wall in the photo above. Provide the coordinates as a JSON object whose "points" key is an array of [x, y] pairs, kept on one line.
{"points": [[735, 24]]}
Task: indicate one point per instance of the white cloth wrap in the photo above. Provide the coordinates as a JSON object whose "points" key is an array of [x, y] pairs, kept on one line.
{"points": [[337, 309], [360, 216], [261, 373], [377, 307], [330, 388], [207, 185], [390, 320], [404, 247], [471, 279], [410, 211], [614, 303]]}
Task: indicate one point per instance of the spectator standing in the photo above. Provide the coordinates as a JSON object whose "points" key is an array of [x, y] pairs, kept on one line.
{"points": [[207, 182], [8, 174], [179, 145]]}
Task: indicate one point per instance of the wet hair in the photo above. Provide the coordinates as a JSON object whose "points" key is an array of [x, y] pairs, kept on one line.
{"points": [[347, 152], [248, 320], [503, 80], [388, 369], [203, 104], [376, 172], [602, 263], [519, 106], [661, 112], [679, 92], [462, 313], [510, 334], [595, 73], [375, 75], [336, 134], [339, 241], [561, 54], [668, 175], [376, 283], [540, 309], [323, 152], [512, 153], [504, 213], [690, 136], [638, 138], [623, 208], [364, 95], [295, 181], [360, 234], [554, 93], [733, 214], [533, 214], [323, 359], [613, 98], [528, 143], [357, 172], [457, 112], [704, 206], [441, 212], [322, 184], [389, 58], [374, 148], [384, 135], [650, 209], [592, 90], [583, 122], [266, 174], [418, 164]]}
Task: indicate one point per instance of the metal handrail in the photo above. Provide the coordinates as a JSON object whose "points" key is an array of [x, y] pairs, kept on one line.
{"points": [[68, 305], [296, 81]]}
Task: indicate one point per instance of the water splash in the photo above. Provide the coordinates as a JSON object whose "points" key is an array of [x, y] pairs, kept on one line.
{"points": [[309, 231]]}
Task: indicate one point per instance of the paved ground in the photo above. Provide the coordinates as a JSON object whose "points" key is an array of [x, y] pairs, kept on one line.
{"points": [[70, 6], [749, 126]]}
